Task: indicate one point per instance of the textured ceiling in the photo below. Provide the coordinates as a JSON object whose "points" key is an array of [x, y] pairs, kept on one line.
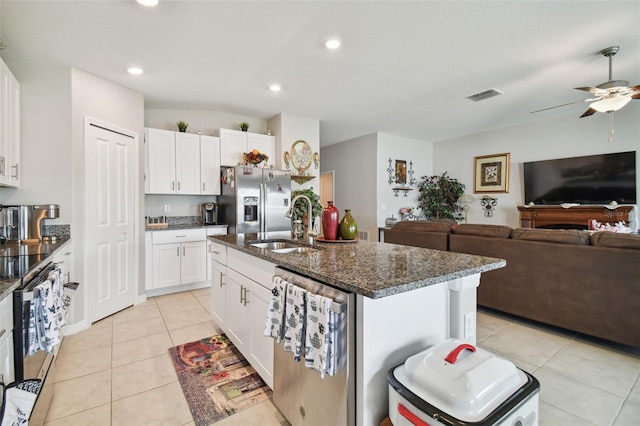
{"points": [[405, 67]]}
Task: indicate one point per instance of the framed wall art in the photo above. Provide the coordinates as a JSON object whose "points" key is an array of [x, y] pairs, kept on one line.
{"points": [[491, 173]]}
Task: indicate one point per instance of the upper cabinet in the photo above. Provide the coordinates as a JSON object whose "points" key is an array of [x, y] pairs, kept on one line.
{"points": [[9, 128], [181, 163], [233, 143], [209, 165]]}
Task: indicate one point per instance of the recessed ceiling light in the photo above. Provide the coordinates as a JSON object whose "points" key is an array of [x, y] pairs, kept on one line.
{"points": [[134, 70], [333, 43], [275, 88], [149, 3]]}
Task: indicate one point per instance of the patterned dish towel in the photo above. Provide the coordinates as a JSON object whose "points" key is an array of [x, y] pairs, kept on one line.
{"points": [[317, 332], [295, 307], [274, 326]]}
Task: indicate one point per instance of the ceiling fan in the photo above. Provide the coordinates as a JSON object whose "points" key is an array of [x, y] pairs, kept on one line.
{"points": [[610, 96]]}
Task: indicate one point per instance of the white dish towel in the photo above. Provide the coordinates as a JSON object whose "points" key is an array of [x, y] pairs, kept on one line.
{"points": [[295, 311], [274, 327]]}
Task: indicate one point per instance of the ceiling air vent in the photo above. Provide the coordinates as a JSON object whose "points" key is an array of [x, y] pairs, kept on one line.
{"points": [[484, 95]]}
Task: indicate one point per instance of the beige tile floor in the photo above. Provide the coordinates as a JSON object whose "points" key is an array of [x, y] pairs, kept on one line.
{"points": [[118, 371]]}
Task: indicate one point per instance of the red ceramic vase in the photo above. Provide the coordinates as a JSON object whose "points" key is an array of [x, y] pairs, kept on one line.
{"points": [[330, 222]]}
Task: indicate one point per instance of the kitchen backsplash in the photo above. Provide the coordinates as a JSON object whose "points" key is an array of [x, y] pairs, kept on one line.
{"points": [[56, 231]]}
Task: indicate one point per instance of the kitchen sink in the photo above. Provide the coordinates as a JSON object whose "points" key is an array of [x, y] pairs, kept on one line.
{"points": [[274, 245], [302, 249], [283, 246]]}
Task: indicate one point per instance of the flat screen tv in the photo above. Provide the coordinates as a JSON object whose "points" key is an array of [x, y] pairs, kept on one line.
{"points": [[594, 179]]}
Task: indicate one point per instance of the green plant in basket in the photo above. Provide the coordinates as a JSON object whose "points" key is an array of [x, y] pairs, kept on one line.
{"points": [[439, 195]]}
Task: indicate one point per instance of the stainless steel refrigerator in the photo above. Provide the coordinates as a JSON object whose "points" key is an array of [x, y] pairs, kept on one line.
{"points": [[254, 199]]}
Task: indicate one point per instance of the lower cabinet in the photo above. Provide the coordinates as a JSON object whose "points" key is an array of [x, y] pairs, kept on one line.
{"points": [[177, 258], [6, 340], [245, 285]]}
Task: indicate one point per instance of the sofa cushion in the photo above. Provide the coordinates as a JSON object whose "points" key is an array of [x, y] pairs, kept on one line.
{"points": [[560, 236], [495, 231], [614, 239], [422, 226]]}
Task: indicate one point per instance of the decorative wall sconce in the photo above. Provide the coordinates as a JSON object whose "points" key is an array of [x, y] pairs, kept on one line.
{"points": [[316, 159], [399, 174], [287, 159], [488, 203], [464, 201]]}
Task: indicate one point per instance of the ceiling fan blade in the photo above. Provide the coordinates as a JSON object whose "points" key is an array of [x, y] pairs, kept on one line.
{"points": [[588, 112], [570, 103], [590, 89]]}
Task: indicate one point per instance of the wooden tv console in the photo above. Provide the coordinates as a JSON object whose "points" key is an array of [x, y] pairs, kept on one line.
{"points": [[548, 216]]}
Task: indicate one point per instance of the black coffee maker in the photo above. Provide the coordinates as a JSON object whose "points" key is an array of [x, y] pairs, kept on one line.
{"points": [[209, 212]]}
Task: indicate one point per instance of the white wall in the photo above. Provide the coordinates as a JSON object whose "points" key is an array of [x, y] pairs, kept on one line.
{"points": [[354, 164], [205, 121], [399, 148], [568, 136], [45, 163], [110, 103], [289, 128]]}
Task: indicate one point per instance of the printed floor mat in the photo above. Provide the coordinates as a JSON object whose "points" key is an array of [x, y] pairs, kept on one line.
{"points": [[216, 379]]}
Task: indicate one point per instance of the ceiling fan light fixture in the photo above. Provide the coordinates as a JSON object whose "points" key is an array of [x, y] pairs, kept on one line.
{"points": [[611, 103]]}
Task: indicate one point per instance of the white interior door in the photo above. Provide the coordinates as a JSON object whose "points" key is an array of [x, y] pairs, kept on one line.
{"points": [[110, 221]]}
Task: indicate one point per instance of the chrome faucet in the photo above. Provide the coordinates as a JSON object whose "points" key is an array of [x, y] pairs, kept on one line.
{"points": [[309, 234]]}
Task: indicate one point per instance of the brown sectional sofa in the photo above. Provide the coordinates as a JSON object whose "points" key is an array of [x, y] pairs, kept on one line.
{"points": [[566, 278]]}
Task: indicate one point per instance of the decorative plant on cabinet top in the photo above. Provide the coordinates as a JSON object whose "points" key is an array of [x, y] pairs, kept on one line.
{"points": [[438, 196]]}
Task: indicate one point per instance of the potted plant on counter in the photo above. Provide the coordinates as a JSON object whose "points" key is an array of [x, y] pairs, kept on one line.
{"points": [[438, 196], [300, 208]]}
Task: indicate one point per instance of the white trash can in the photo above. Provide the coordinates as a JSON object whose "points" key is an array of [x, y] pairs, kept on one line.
{"points": [[455, 383]]}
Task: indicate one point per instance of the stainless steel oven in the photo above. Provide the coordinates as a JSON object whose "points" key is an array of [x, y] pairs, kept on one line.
{"points": [[39, 365]]}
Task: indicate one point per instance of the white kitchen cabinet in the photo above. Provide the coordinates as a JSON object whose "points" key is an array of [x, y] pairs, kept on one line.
{"points": [[174, 162], [209, 165], [178, 258], [187, 163], [222, 230], [6, 340], [233, 143], [161, 151], [248, 294], [9, 128], [218, 277], [238, 310]]}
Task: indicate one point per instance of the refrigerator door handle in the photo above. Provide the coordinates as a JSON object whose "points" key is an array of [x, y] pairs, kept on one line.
{"points": [[262, 217]]}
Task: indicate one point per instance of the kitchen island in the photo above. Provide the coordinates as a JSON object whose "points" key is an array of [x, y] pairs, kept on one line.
{"points": [[406, 299]]}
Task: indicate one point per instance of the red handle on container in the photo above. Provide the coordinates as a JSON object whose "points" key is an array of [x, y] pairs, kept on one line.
{"points": [[404, 412], [452, 358]]}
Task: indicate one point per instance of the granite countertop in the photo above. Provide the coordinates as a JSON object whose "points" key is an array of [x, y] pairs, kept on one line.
{"points": [[183, 226], [368, 268], [45, 250]]}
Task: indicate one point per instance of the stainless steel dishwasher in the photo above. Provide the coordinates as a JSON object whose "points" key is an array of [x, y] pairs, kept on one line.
{"points": [[302, 396]]}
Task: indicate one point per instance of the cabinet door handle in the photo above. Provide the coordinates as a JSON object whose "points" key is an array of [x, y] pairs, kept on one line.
{"points": [[178, 185], [184, 250], [181, 236], [178, 251], [203, 187], [221, 279], [246, 290], [15, 167], [173, 185], [241, 294]]}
